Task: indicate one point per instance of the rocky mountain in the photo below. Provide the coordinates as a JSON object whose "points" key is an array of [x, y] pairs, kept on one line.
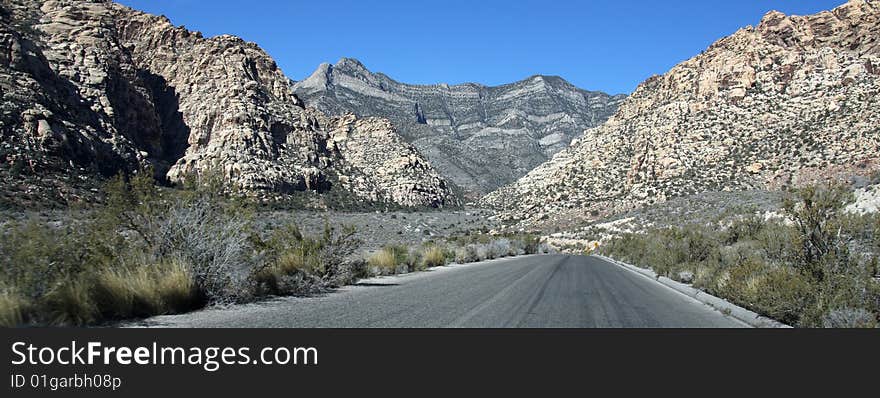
{"points": [[794, 99], [479, 137], [91, 88]]}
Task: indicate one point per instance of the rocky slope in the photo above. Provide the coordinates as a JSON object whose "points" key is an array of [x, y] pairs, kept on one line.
{"points": [[479, 137], [92, 88], [792, 100]]}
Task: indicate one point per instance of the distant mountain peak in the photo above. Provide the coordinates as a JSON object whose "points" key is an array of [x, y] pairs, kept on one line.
{"points": [[478, 136], [350, 63]]}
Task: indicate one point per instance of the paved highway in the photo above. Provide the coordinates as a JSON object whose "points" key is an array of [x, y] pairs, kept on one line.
{"points": [[531, 291]]}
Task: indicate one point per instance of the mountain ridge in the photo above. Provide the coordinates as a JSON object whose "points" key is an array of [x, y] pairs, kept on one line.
{"points": [[93, 88], [525, 121], [360, 65], [786, 102]]}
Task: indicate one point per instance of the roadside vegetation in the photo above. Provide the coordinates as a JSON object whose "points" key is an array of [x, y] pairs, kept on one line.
{"points": [[148, 251], [469, 248], [813, 266]]}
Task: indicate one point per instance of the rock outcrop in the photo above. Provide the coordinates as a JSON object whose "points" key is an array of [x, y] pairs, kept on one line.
{"points": [[479, 137], [94, 88], [793, 100]]}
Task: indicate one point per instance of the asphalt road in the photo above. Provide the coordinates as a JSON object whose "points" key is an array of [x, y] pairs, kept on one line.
{"points": [[531, 291]]}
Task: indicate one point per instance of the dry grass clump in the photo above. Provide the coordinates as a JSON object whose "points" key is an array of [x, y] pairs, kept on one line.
{"points": [[389, 260], [69, 304], [163, 288], [13, 307], [433, 256]]}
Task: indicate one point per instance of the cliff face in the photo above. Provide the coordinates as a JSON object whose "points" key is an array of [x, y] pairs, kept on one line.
{"points": [[479, 137], [92, 88], [790, 101]]}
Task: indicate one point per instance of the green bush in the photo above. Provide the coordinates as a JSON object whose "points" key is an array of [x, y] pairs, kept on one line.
{"points": [[531, 244], [743, 228], [815, 211], [36, 257], [781, 293], [780, 244], [297, 264]]}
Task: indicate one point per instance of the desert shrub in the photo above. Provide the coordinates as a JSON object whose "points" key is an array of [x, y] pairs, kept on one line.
{"points": [[133, 203], [780, 243], [665, 249], [545, 248], [467, 254], [68, 277], [204, 225], [815, 210], [708, 276], [695, 243], [338, 246], [531, 244], [212, 241], [176, 287], [877, 234], [124, 292], [450, 253], [517, 247], [460, 255], [498, 248], [781, 293], [849, 318], [45, 271], [472, 247], [284, 278], [35, 257], [401, 253], [483, 252], [295, 264], [874, 178], [743, 228], [414, 261], [739, 253]]}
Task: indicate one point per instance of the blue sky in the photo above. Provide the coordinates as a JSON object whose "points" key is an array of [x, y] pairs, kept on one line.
{"points": [[597, 45]]}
